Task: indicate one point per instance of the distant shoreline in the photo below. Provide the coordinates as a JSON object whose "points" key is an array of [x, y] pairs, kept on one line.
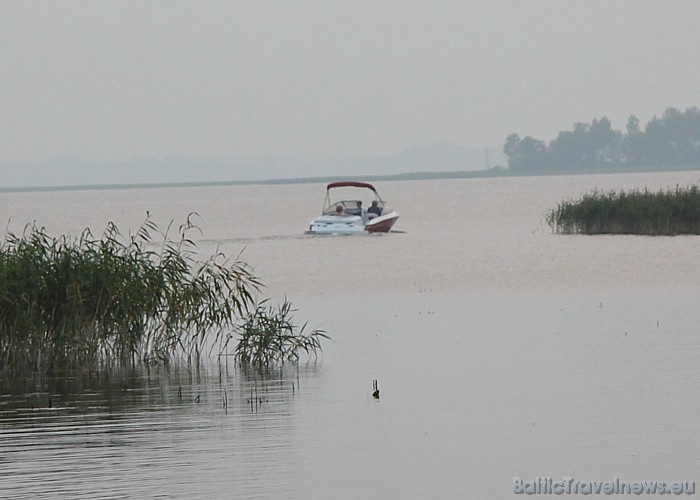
{"points": [[408, 176]]}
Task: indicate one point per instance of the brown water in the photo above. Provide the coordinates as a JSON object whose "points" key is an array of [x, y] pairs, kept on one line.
{"points": [[500, 350]]}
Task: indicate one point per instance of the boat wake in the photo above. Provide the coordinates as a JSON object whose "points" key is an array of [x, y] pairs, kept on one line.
{"points": [[259, 238]]}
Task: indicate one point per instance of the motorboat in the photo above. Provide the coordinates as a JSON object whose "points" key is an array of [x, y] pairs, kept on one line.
{"points": [[351, 216]]}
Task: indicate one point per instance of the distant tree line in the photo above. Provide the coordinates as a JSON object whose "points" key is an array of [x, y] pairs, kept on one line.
{"points": [[673, 139]]}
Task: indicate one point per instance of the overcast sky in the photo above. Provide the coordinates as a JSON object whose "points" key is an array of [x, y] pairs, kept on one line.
{"points": [[115, 80]]}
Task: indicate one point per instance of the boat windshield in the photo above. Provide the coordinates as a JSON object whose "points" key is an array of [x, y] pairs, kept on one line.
{"points": [[350, 207]]}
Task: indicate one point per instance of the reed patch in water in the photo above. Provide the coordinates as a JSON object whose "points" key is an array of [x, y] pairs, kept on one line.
{"points": [[82, 301], [665, 212], [268, 336]]}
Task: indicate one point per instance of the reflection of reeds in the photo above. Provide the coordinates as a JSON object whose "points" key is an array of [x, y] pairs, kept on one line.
{"points": [[80, 301], [268, 336], [670, 212]]}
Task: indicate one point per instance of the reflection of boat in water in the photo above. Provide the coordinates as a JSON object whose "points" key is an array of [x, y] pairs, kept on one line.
{"points": [[350, 217]]}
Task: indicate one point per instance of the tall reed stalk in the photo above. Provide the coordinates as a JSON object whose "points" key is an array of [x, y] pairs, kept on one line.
{"points": [[78, 301]]}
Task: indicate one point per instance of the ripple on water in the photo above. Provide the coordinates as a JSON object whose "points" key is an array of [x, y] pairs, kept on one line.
{"points": [[147, 441]]}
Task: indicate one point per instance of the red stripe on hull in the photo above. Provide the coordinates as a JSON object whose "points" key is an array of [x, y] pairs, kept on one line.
{"points": [[383, 226]]}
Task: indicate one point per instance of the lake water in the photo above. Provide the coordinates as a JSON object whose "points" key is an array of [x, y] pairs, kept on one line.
{"points": [[500, 349]]}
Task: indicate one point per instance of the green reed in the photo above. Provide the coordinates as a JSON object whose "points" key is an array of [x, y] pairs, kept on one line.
{"points": [[666, 212], [78, 301], [268, 336]]}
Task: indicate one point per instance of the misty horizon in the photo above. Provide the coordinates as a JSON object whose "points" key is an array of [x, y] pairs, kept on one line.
{"points": [[308, 82], [67, 170]]}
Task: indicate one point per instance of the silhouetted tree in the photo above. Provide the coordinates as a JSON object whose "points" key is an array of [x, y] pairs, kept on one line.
{"points": [[604, 143], [524, 154], [633, 143], [673, 139]]}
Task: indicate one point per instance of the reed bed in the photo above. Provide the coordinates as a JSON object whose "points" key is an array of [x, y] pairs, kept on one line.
{"points": [[83, 301], [643, 212], [269, 336]]}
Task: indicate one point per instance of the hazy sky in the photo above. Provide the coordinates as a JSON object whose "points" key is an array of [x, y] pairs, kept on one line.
{"points": [[327, 79]]}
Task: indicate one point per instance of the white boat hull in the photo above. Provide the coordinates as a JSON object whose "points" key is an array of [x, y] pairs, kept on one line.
{"points": [[352, 224]]}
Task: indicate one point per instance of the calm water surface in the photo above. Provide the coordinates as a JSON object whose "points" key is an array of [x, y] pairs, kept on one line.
{"points": [[500, 350]]}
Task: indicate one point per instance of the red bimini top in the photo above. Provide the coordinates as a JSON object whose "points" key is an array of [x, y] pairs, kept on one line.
{"points": [[350, 184]]}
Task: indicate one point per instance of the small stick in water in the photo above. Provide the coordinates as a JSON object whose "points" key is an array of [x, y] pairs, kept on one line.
{"points": [[375, 394]]}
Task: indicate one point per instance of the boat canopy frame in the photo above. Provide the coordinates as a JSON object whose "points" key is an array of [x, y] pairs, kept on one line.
{"points": [[365, 185], [356, 184]]}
